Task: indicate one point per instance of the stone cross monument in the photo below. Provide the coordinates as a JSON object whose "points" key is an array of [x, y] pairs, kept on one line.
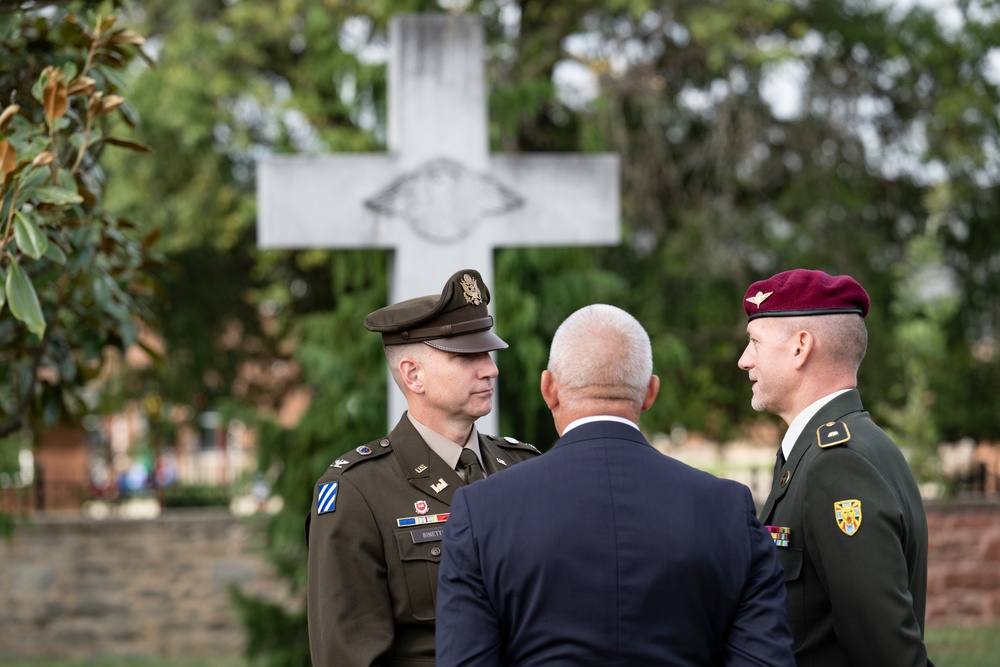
{"points": [[438, 199]]}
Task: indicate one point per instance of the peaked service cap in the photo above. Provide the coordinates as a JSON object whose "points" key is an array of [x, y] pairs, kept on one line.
{"points": [[805, 292], [454, 321]]}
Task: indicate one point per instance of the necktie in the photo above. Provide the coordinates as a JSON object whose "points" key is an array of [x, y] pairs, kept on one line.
{"points": [[469, 465], [779, 461]]}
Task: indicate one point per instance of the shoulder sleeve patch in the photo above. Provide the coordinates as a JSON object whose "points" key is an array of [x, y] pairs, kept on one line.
{"points": [[831, 434], [326, 497]]}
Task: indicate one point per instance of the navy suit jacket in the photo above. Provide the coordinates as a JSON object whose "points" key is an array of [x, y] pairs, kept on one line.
{"points": [[603, 551]]}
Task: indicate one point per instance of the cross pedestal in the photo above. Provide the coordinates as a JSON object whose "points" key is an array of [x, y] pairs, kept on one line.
{"points": [[437, 199]]}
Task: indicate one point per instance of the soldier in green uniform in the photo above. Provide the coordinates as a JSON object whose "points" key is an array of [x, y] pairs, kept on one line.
{"points": [[844, 510], [374, 530]]}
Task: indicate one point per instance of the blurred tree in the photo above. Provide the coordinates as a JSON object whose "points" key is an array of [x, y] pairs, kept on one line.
{"points": [[74, 277], [755, 136]]}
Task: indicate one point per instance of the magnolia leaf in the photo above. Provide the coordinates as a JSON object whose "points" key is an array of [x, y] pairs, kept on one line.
{"points": [[44, 158], [131, 145], [55, 254], [23, 300], [31, 240], [94, 103], [51, 194], [34, 177], [8, 157], [150, 238], [55, 99], [8, 115], [82, 84], [104, 24], [127, 37], [110, 103], [113, 78]]}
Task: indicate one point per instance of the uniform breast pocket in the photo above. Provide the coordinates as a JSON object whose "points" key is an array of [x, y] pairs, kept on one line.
{"points": [[420, 553], [791, 561]]}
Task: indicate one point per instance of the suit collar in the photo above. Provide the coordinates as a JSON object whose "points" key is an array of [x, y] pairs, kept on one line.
{"points": [[604, 428], [598, 418]]}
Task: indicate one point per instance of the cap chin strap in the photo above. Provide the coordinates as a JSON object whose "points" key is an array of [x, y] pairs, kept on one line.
{"points": [[443, 331]]}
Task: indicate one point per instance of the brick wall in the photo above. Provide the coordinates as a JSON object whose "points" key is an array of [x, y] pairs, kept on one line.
{"points": [[73, 587], [963, 569], [130, 588]]}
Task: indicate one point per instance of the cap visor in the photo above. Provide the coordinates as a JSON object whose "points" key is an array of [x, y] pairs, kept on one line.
{"points": [[479, 341]]}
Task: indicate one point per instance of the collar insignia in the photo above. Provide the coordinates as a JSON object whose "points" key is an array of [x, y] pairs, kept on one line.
{"points": [[440, 486], [759, 298]]}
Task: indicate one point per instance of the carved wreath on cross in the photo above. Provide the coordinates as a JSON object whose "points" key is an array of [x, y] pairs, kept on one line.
{"points": [[443, 199]]}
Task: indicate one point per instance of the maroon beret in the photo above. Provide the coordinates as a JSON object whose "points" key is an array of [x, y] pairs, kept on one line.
{"points": [[455, 320], [805, 292]]}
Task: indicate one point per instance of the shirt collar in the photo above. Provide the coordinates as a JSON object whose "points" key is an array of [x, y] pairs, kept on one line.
{"points": [[444, 447], [596, 418], [801, 419]]}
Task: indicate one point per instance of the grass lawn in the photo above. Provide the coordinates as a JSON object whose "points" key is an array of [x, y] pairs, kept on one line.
{"points": [[964, 647], [948, 647]]}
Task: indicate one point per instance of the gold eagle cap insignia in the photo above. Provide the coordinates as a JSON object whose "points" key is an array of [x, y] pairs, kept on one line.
{"points": [[471, 290], [759, 298]]}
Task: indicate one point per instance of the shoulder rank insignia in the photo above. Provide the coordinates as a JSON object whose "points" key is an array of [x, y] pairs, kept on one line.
{"points": [[832, 433], [848, 514], [515, 441]]}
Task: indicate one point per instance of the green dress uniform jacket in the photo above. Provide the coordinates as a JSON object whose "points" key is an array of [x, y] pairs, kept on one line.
{"points": [[372, 582], [850, 530]]}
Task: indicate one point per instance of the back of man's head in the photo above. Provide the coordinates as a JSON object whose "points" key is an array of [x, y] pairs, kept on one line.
{"points": [[599, 354]]}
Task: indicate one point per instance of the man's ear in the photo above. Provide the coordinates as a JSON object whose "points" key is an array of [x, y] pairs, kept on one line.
{"points": [[550, 390], [651, 392], [803, 342], [412, 374]]}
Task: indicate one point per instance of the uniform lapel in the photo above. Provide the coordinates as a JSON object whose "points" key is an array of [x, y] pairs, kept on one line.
{"points": [[494, 457], [832, 411], [424, 469]]}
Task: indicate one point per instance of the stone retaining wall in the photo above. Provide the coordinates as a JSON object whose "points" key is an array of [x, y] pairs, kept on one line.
{"points": [[75, 587], [963, 570]]}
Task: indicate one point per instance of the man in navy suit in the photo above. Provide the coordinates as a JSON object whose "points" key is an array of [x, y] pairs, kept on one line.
{"points": [[603, 551]]}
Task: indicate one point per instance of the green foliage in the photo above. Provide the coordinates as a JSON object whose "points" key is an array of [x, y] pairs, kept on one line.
{"points": [[279, 639], [75, 277], [195, 496]]}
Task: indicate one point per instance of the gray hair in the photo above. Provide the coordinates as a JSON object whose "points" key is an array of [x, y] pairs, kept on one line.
{"points": [[844, 337], [395, 353], [601, 351]]}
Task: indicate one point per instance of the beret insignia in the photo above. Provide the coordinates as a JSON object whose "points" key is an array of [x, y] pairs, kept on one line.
{"points": [[759, 298]]}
